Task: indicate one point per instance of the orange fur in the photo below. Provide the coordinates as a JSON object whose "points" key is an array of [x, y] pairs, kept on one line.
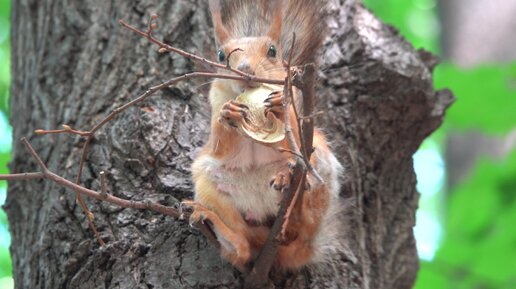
{"points": [[228, 197]]}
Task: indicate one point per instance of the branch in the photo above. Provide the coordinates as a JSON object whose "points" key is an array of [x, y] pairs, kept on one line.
{"points": [[260, 273], [293, 195], [91, 133], [103, 194], [306, 82], [235, 75], [21, 176], [66, 129], [165, 47]]}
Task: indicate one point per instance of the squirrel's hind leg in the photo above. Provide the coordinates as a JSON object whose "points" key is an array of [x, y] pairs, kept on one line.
{"points": [[235, 247], [301, 250], [227, 223]]}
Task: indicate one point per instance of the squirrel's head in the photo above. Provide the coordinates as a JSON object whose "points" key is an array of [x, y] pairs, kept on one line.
{"points": [[260, 56], [256, 55]]}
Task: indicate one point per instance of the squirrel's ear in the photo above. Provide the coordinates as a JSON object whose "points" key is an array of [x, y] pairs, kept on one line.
{"points": [[221, 33], [277, 19]]}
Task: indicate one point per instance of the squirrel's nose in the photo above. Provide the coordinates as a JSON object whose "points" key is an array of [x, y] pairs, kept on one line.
{"points": [[244, 66]]}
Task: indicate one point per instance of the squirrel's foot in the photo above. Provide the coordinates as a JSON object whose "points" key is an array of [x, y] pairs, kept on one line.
{"points": [[282, 180], [236, 247], [274, 104], [233, 112], [198, 213]]}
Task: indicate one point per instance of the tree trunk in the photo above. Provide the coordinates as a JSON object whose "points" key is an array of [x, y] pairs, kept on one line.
{"points": [[72, 64]]}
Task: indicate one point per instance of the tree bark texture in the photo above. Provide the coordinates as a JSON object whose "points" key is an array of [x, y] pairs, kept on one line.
{"points": [[72, 64]]}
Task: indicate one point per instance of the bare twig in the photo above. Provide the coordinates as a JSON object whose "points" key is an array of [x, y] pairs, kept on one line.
{"points": [[183, 53], [66, 129], [91, 133], [89, 214], [313, 115], [47, 174], [21, 176], [103, 183], [306, 82], [284, 150], [291, 195], [103, 196], [152, 23], [229, 56], [259, 274], [148, 35], [296, 199]]}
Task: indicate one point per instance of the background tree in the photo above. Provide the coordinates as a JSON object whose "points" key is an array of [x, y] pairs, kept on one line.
{"points": [[72, 64], [466, 168]]}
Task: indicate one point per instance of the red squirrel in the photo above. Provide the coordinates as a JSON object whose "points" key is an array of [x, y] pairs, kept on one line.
{"points": [[237, 180]]}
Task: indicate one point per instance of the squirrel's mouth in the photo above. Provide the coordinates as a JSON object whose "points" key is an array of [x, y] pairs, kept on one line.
{"points": [[246, 85], [251, 85]]}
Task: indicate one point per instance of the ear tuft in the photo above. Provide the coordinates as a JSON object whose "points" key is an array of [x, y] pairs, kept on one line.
{"points": [[221, 33], [276, 21]]}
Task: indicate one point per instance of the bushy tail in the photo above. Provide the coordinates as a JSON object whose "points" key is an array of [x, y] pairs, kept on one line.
{"points": [[333, 239]]}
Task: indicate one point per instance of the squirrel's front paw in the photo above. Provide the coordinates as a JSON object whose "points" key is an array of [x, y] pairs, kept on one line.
{"points": [[233, 112], [274, 104]]}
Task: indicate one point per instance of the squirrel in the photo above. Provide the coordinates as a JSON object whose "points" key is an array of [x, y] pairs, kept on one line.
{"points": [[237, 180]]}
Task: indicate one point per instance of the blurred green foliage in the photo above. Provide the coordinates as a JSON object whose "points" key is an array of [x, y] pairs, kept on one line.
{"points": [[478, 249], [5, 75], [5, 142], [486, 96], [416, 20]]}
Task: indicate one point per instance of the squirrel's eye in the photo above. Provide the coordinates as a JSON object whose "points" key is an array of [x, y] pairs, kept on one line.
{"points": [[272, 51], [221, 55]]}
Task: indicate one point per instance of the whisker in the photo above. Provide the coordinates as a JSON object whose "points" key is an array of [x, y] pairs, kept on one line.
{"points": [[277, 68], [203, 84]]}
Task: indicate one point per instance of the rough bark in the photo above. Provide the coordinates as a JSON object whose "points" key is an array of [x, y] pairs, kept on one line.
{"points": [[72, 64]]}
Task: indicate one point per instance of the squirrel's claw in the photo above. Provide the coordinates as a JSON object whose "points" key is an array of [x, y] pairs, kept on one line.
{"points": [[281, 181], [198, 213], [274, 104], [186, 206], [233, 112]]}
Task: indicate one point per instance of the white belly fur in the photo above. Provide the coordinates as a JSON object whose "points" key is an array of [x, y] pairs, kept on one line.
{"points": [[246, 178]]}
